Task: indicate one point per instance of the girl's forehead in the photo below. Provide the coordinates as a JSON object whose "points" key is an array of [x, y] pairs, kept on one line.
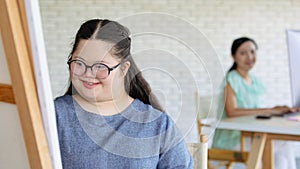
{"points": [[247, 45], [94, 50]]}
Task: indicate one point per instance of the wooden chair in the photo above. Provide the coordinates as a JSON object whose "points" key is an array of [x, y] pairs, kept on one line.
{"points": [[199, 152], [225, 157]]}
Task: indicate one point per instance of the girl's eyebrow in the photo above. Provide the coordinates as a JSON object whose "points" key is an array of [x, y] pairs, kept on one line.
{"points": [[102, 61], [78, 57]]}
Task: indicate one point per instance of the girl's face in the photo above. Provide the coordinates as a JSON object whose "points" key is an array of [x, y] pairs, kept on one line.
{"points": [[245, 56], [90, 84]]}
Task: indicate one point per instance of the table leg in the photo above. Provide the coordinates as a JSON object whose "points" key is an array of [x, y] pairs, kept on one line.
{"points": [[268, 156], [255, 155]]}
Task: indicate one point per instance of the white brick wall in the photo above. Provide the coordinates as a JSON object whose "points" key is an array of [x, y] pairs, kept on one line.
{"points": [[221, 21]]}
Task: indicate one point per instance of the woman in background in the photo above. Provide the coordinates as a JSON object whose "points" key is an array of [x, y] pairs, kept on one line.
{"points": [[108, 118], [242, 95]]}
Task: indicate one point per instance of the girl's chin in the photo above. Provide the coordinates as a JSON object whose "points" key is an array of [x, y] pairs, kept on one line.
{"points": [[248, 67], [93, 98], [90, 98]]}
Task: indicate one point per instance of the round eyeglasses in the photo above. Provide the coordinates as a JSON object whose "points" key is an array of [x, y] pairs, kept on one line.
{"points": [[99, 70]]}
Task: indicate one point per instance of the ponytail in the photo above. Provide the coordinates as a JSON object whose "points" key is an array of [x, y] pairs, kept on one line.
{"points": [[233, 67], [138, 88]]}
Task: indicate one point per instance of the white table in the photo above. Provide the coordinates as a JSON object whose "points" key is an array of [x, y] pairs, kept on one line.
{"points": [[264, 131]]}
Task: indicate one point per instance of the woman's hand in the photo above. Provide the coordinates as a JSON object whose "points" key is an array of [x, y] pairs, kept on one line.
{"points": [[295, 109], [282, 110]]}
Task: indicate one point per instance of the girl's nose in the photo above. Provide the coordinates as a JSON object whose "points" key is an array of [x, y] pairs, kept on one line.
{"points": [[250, 55], [89, 72]]}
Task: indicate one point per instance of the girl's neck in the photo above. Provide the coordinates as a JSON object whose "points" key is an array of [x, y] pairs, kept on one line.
{"points": [[105, 107], [245, 75]]}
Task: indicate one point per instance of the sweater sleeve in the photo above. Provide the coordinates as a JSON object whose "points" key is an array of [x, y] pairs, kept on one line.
{"points": [[177, 157], [174, 153]]}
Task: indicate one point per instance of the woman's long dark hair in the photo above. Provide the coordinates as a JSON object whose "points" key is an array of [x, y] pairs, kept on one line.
{"points": [[110, 31], [234, 47]]}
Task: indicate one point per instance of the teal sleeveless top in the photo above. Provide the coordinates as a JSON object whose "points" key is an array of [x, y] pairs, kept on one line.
{"points": [[247, 96]]}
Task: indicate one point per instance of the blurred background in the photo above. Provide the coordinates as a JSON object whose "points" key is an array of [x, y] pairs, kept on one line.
{"points": [[219, 22], [182, 75]]}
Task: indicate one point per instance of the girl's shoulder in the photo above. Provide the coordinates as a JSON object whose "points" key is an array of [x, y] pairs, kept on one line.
{"points": [[63, 104], [233, 76], [146, 111], [234, 79], [63, 99]]}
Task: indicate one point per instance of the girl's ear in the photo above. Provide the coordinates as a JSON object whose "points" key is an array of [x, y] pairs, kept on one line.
{"points": [[233, 57], [125, 67]]}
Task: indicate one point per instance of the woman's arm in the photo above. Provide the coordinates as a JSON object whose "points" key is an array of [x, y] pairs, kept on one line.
{"points": [[233, 111]]}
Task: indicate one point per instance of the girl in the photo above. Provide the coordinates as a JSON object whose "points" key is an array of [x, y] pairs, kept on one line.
{"points": [[242, 95], [108, 118]]}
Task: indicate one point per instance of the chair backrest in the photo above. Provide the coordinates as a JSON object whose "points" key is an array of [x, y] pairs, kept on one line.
{"points": [[199, 152]]}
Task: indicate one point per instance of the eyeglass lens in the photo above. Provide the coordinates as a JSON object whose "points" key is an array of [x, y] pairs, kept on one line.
{"points": [[99, 70]]}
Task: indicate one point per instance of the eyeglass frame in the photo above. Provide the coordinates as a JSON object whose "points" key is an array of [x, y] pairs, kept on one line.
{"points": [[91, 67]]}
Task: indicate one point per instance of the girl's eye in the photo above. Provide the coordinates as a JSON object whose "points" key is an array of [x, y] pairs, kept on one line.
{"points": [[79, 63], [99, 67]]}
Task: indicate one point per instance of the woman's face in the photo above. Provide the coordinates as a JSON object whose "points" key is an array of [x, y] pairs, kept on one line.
{"points": [[245, 56], [89, 85]]}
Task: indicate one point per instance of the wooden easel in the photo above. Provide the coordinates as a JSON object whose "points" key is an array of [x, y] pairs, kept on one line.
{"points": [[23, 91]]}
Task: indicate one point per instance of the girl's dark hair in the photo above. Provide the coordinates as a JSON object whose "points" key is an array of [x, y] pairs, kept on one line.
{"points": [[110, 31], [234, 47]]}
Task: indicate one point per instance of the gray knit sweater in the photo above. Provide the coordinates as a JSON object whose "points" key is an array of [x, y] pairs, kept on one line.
{"points": [[138, 137]]}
